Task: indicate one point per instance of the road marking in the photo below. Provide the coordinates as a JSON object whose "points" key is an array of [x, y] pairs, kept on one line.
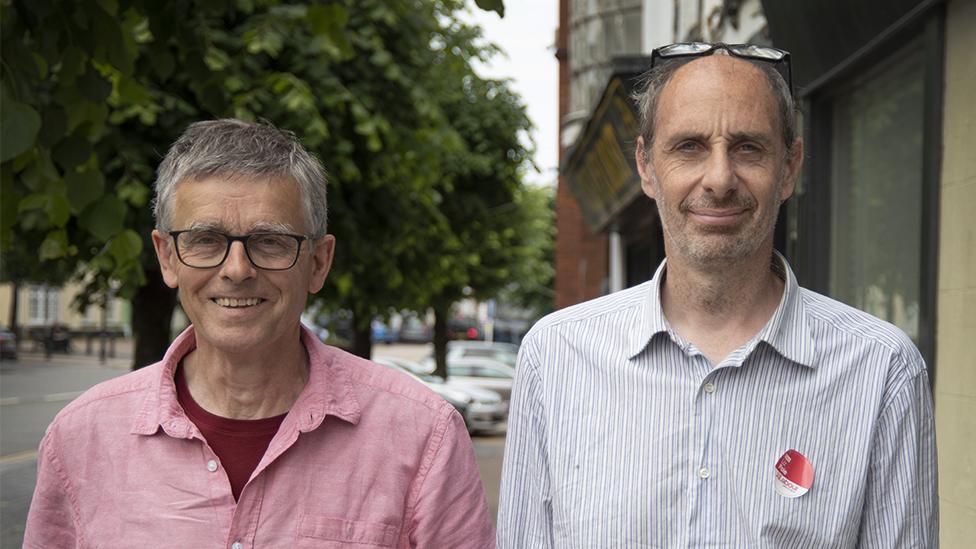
{"points": [[54, 397], [18, 457]]}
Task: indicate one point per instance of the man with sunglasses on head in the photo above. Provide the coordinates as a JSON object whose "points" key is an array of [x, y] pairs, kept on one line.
{"points": [[719, 404], [251, 432]]}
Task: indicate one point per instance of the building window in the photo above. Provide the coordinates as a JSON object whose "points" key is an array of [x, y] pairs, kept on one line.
{"points": [[876, 191], [43, 305]]}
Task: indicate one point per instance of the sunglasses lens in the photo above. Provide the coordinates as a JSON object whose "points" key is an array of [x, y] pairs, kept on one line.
{"points": [[685, 48], [758, 52]]}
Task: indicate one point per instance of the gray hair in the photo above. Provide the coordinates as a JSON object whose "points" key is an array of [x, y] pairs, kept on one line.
{"points": [[650, 85], [234, 148]]}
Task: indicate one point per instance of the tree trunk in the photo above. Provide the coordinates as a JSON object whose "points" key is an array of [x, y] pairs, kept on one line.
{"points": [[152, 315], [440, 341], [362, 337], [14, 323]]}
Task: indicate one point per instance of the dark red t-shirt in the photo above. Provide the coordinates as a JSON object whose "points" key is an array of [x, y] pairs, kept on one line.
{"points": [[239, 443]]}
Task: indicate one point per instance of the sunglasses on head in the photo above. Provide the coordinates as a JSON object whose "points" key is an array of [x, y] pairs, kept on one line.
{"points": [[780, 59]]}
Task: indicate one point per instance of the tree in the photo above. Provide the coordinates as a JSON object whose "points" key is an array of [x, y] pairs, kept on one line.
{"points": [[93, 92]]}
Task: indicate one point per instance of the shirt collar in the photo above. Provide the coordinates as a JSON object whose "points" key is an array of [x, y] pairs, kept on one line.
{"points": [[329, 391], [651, 320], [787, 330]]}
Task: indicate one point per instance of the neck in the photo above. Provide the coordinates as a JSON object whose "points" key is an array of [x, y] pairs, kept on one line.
{"points": [[719, 307], [246, 387]]}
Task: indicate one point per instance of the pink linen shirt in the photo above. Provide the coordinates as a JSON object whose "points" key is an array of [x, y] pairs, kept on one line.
{"points": [[366, 457]]}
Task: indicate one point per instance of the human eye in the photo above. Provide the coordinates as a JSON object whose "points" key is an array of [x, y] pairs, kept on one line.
{"points": [[748, 146], [271, 243], [270, 239], [203, 238]]}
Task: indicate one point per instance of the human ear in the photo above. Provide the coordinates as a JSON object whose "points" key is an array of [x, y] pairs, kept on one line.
{"points": [[793, 164], [644, 168], [166, 255], [323, 251]]}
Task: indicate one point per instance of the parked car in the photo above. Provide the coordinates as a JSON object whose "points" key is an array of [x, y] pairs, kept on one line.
{"points": [[464, 328], [484, 373], [482, 409], [8, 344], [382, 332], [414, 330], [502, 352]]}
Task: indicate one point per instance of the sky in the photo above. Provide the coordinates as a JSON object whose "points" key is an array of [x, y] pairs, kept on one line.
{"points": [[527, 35]]}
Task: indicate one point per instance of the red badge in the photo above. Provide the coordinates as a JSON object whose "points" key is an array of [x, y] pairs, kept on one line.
{"points": [[794, 474]]}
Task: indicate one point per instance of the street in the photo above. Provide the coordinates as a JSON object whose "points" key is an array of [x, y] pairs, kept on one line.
{"points": [[33, 389]]}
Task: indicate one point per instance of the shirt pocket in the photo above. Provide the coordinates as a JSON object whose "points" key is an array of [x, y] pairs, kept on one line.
{"points": [[316, 529]]}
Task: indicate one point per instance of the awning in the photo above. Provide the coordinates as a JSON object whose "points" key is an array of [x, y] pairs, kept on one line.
{"points": [[824, 36], [600, 169]]}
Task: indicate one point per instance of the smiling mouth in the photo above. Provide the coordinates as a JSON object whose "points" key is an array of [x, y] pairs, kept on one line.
{"points": [[236, 303], [718, 213]]}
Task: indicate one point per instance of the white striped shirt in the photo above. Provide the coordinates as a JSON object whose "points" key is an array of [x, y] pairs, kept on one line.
{"points": [[622, 434]]}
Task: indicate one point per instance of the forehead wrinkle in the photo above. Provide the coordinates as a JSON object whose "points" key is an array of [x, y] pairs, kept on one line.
{"points": [[731, 88]]}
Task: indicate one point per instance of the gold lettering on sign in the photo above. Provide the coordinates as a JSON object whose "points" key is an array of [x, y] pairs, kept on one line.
{"points": [[603, 176]]}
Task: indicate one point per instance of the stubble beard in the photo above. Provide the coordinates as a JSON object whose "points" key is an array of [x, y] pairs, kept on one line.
{"points": [[711, 246]]}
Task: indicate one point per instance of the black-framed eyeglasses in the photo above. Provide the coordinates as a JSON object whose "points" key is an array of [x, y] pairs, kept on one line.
{"points": [[206, 249], [780, 59]]}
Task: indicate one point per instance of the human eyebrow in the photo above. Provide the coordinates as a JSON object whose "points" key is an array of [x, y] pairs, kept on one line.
{"points": [[272, 227], [204, 226]]}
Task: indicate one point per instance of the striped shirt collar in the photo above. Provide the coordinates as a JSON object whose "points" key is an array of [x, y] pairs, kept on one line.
{"points": [[787, 330]]}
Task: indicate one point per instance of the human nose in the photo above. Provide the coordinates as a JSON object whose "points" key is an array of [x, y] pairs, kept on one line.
{"points": [[237, 266], [719, 177]]}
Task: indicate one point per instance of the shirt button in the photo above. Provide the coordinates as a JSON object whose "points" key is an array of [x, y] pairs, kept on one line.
{"points": [[703, 472], [237, 545], [709, 388], [212, 465]]}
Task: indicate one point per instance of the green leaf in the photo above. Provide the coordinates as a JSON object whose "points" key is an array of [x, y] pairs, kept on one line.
{"points": [[72, 151], [35, 201], [53, 126], [329, 22], [58, 209], [132, 92], [85, 112], [55, 245], [497, 6], [163, 63], [212, 98], [134, 192], [117, 50], [84, 188], [20, 126], [105, 218], [111, 7], [125, 247], [8, 203], [41, 64], [94, 86], [38, 175], [72, 65]]}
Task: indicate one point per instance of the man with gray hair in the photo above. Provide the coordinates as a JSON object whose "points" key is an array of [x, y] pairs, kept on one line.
{"points": [[251, 432], [718, 404]]}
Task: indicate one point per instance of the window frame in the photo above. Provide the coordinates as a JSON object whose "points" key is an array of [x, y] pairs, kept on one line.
{"points": [[811, 243]]}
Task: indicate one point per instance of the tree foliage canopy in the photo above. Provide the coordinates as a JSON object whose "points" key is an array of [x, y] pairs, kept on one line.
{"points": [[424, 156]]}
